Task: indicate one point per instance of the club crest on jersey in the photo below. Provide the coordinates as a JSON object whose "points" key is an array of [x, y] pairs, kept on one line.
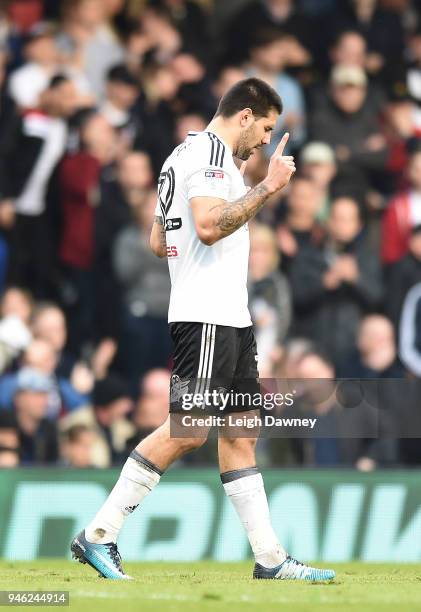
{"points": [[214, 174]]}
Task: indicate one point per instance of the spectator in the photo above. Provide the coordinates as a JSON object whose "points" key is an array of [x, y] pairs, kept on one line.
{"points": [[42, 63], [334, 286], [191, 22], [38, 144], [269, 298], [352, 426], [409, 337], [381, 28], [122, 91], [119, 195], [89, 44], [15, 334], [319, 165], [261, 15], [18, 302], [49, 324], [403, 213], [38, 434], [41, 356], [9, 441], [145, 283], [299, 226], [151, 409], [376, 356], [403, 275], [190, 122], [80, 182], [160, 87], [351, 126], [194, 93], [76, 446], [107, 419], [268, 55]]}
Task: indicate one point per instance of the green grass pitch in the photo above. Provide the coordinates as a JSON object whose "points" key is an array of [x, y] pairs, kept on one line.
{"points": [[218, 587]]}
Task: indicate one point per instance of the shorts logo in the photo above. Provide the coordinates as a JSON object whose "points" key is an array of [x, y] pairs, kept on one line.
{"points": [[178, 388], [214, 174]]}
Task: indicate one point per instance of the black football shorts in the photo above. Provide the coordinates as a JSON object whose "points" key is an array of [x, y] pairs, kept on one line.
{"points": [[212, 362]]}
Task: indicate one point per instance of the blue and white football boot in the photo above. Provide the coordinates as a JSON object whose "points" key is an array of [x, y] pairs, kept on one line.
{"points": [[104, 558], [291, 569]]}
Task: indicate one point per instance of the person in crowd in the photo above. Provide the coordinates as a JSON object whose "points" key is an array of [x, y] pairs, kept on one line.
{"points": [[189, 122], [191, 22], [413, 78], [376, 355], [299, 226], [37, 433], [401, 127], [42, 62], [334, 285], [15, 335], [347, 420], [268, 55], [402, 214], [265, 14], [152, 407], [144, 280], [49, 323], [88, 44], [9, 440], [125, 190], [163, 38], [318, 163], [226, 78], [75, 447], [81, 178], [382, 29], [351, 126], [269, 297], [122, 91], [195, 90], [159, 87], [63, 396], [402, 276], [37, 146], [18, 302], [106, 417]]}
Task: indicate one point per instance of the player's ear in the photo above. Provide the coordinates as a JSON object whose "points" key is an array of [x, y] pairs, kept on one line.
{"points": [[246, 117]]}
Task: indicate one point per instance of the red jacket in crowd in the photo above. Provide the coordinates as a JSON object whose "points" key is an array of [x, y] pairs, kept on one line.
{"points": [[79, 184]]}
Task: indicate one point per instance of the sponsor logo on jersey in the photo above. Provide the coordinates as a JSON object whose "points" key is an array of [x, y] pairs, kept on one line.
{"points": [[172, 251], [214, 174], [173, 224]]}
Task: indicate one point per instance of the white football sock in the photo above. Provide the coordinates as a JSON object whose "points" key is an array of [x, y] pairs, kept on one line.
{"points": [[138, 477], [246, 491]]}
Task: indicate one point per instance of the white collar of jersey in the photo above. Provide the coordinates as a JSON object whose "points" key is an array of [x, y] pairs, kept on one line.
{"points": [[191, 134]]}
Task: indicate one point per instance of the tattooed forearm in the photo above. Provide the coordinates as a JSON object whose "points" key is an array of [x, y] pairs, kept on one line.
{"points": [[162, 246], [232, 215]]}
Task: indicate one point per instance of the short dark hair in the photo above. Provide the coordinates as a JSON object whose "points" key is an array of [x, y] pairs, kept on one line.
{"points": [[250, 93]]}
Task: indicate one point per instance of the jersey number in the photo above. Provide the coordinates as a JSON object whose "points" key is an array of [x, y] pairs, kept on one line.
{"points": [[166, 187]]}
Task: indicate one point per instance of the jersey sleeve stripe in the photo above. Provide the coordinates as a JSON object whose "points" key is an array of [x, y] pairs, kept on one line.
{"points": [[217, 152]]}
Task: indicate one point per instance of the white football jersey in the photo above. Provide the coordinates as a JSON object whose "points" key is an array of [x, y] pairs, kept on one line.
{"points": [[208, 283]]}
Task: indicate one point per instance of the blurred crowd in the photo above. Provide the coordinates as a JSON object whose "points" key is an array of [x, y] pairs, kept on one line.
{"points": [[94, 94]]}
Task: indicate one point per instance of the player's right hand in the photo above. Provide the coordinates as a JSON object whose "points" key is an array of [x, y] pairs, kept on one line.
{"points": [[281, 167]]}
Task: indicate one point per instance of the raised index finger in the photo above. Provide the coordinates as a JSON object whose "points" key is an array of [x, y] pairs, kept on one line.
{"points": [[281, 146]]}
